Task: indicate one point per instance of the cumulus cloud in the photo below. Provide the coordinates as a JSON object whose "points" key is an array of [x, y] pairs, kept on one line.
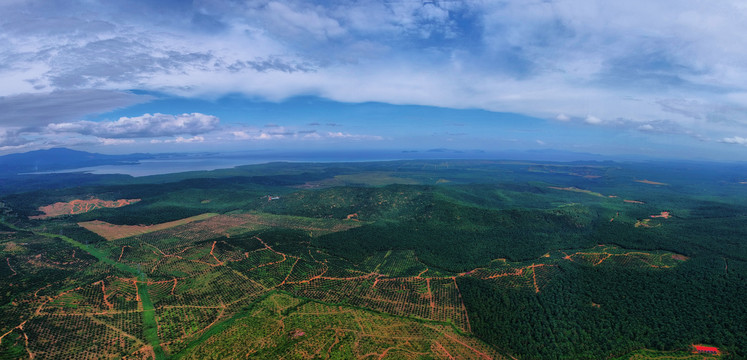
{"points": [[108, 141], [179, 140], [593, 120], [155, 125], [342, 135], [288, 134], [735, 140], [562, 117], [261, 135]]}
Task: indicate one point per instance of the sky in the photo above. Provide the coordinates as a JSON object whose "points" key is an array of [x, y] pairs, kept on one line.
{"points": [[662, 78]]}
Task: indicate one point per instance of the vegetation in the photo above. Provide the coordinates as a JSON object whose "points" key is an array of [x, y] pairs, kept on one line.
{"points": [[394, 259]]}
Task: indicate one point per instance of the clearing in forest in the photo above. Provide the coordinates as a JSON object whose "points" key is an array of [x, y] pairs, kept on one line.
{"points": [[663, 214], [644, 181], [575, 189], [79, 207], [113, 232], [613, 255], [646, 223], [313, 225]]}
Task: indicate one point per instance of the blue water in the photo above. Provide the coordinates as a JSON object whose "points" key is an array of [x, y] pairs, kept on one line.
{"points": [[174, 163], [197, 162]]}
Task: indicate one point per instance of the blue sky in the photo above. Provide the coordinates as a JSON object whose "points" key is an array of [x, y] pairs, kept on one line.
{"points": [[665, 78]]}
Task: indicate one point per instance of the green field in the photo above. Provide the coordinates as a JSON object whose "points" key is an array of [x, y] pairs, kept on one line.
{"points": [[400, 260]]}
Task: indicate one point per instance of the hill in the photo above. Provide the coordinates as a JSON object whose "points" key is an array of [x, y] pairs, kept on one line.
{"points": [[59, 159]]}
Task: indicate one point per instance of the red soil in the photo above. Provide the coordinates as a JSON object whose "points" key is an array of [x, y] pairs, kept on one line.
{"points": [[79, 207], [212, 249], [11, 268], [353, 216], [477, 352], [534, 278], [664, 214], [438, 348], [430, 293], [106, 298], [634, 201]]}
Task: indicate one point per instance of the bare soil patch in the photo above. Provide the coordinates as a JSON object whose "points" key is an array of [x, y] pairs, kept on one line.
{"points": [[574, 189], [79, 207], [112, 232], [634, 201], [644, 181]]}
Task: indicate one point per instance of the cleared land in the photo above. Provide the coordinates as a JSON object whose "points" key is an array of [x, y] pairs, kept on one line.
{"points": [[651, 182], [113, 232], [574, 189], [79, 207]]}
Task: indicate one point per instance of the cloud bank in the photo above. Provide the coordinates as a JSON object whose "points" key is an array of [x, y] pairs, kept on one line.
{"points": [[638, 62], [148, 125]]}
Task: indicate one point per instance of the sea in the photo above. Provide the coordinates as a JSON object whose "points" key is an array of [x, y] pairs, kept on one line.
{"points": [[175, 163]]}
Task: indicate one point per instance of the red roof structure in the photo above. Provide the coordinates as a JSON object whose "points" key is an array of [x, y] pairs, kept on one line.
{"points": [[707, 349]]}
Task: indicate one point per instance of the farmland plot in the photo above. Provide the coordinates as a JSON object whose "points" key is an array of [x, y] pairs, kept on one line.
{"points": [[284, 326]]}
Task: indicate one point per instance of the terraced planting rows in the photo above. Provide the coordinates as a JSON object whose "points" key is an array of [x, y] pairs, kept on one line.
{"points": [[68, 305], [281, 325]]}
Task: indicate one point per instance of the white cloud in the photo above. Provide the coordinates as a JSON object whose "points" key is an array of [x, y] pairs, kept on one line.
{"points": [[241, 135], [280, 133], [179, 140], [107, 141], [593, 120], [147, 125], [299, 22], [312, 136], [342, 135], [283, 133], [561, 59], [646, 127], [735, 140], [562, 117]]}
